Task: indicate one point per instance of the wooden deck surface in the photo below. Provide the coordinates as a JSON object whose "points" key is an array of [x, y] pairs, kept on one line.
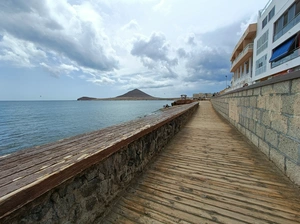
{"points": [[209, 173]]}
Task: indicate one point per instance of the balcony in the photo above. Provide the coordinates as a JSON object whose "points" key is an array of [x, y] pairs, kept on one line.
{"points": [[247, 52], [286, 28], [289, 57]]}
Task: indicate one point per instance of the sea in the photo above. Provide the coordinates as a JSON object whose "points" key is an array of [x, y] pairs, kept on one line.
{"points": [[24, 124]]}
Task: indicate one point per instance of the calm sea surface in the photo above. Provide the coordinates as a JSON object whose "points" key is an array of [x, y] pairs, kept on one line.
{"points": [[24, 124]]}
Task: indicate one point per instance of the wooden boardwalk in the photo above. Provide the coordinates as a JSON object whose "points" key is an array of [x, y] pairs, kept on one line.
{"points": [[209, 173]]}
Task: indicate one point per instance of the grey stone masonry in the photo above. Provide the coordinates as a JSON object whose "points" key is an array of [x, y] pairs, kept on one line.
{"points": [[84, 196], [268, 114]]}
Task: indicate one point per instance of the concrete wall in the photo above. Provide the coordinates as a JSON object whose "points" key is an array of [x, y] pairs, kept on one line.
{"points": [[84, 198], [268, 114]]}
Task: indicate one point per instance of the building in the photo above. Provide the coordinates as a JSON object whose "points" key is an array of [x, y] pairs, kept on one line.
{"points": [[276, 46], [242, 59], [270, 47]]}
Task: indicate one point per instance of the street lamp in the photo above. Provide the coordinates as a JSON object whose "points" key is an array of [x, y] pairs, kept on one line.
{"points": [[226, 81]]}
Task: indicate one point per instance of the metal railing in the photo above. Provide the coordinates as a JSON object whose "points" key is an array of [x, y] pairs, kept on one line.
{"points": [[262, 11], [287, 27], [245, 50], [292, 56]]}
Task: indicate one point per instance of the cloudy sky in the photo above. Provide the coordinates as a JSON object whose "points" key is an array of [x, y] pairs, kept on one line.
{"points": [[66, 49]]}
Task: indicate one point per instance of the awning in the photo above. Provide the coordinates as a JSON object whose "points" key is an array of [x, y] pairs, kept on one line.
{"points": [[282, 50]]}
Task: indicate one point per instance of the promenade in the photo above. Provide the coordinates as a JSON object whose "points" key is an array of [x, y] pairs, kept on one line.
{"points": [[209, 173]]}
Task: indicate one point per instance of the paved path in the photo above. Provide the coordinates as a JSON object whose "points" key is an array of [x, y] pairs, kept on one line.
{"points": [[209, 173]]}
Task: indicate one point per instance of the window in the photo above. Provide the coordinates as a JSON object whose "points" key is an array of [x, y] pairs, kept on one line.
{"points": [[247, 67], [271, 13], [264, 22], [261, 65], [262, 43], [297, 7], [288, 20]]}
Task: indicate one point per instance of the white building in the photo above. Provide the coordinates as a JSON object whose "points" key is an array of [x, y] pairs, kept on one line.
{"points": [[242, 59], [276, 46]]}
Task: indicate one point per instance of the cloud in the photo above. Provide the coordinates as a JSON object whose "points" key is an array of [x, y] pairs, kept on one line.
{"points": [[181, 53], [153, 50], [246, 23], [191, 39], [163, 7], [19, 52], [207, 64], [132, 25], [72, 31]]}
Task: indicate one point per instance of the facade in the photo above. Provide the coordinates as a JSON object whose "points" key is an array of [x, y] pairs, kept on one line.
{"points": [[242, 59], [276, 46], [270, 47]]}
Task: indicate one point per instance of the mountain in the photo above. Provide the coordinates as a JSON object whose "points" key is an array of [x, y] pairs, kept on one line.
{"points": [[87, 98], [136, 93]]}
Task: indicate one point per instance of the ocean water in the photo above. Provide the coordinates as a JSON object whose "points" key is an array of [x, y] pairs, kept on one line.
{"points": [[25, 124]]}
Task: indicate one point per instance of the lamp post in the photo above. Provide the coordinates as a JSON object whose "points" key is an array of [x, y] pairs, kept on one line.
{"points": [[226, 81]]}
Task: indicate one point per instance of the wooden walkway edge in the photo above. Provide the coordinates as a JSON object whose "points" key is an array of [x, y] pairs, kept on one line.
{"points": [[209, 173]]}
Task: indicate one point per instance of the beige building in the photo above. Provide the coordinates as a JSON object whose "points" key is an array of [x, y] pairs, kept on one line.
{"points": [[242, 58]]}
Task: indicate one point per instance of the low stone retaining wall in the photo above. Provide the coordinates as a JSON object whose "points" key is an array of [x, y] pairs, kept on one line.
{"points": [[268, 114], [84, 194]]}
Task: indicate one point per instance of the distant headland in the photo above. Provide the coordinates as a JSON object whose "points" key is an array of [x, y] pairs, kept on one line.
{"points": [[135, 94]]}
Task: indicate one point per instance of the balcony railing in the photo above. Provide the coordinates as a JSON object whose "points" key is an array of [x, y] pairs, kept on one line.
{"points": [[245, 50], [287, 27], [292, 56]]}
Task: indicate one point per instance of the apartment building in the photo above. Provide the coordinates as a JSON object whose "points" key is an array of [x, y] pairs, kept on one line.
{"points": [[275, 47], [242, 58]]}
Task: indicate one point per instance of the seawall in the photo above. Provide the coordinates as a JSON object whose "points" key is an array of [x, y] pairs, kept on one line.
{"points": [[77, 179], [268, 114]]}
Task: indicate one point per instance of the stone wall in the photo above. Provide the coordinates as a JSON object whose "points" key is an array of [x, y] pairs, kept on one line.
{"points": [[84, 198], [268, 114]]}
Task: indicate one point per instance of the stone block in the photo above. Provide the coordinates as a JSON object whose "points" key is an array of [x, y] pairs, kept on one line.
{"points": [[266, 119], [279, 123], [295, 86], [253, 101], [296, 106], [256, 91], [250, 113], [264, 147], [293, 171], [254, 139], [289, 147], [246, 101], [274, 103], [291, 104], [277, 158], [248, 134], [260, 131], [250, 92], [252, 125], [282, 87], [294, 127], [256, 114], [261, 102], [267, 90], [271, 137]]}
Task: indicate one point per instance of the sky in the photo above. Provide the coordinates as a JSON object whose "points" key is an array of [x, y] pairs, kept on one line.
{"points": [[66, 49]]}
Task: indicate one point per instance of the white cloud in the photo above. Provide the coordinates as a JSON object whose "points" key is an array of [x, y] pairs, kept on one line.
{"points": [[132, 25], [72, 31], [19, 52]]}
